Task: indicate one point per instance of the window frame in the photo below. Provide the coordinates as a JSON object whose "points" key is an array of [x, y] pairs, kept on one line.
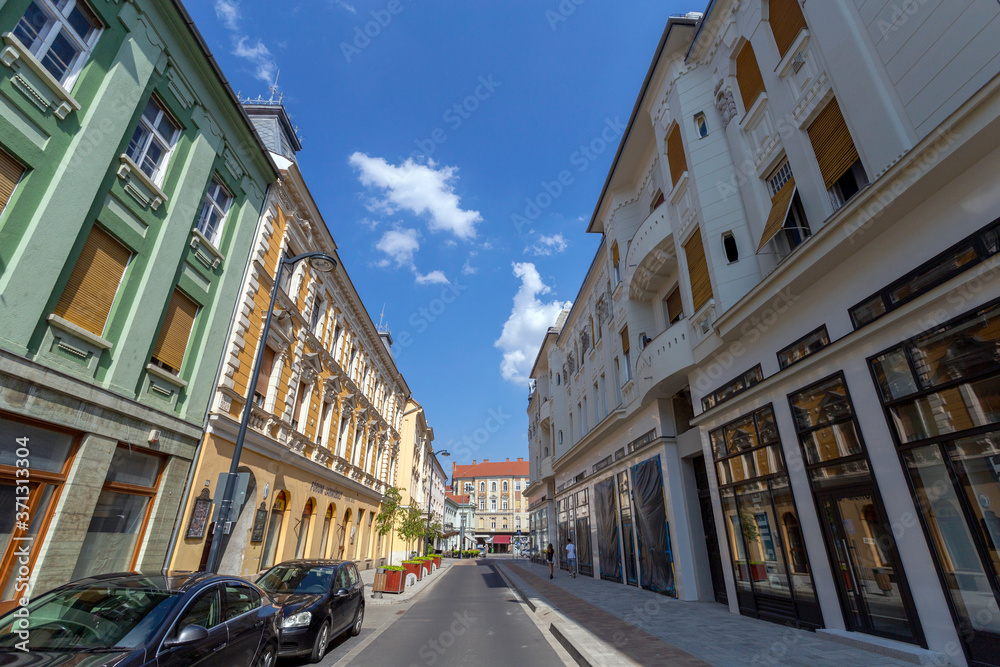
{"points": [[210, 204], [168, 145], [821, 328], [714, 394], [57, 24]]}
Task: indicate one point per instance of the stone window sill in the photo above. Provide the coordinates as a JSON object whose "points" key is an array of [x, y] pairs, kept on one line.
{"points": [[165, 375], [128, 168], [79, 332], [197, 238], [15, 50]]}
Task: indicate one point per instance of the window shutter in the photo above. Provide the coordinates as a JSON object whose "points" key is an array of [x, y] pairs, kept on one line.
{"points": [[832, 143], [787, 22], [701, 284], [625, 345], [175, 331], [10, 174], [264, 379], [748, 75], [87, 298], [614, 254], [674, 306], [780, 203], [675, 154]]}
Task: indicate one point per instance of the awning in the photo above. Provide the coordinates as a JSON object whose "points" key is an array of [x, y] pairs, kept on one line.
{"points": [[501, 539], [450, 533], [780, 204]]}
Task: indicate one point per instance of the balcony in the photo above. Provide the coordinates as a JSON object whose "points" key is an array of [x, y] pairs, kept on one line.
{"points": [[546, 468], [651, 257], [545, 412], [662, 368]]}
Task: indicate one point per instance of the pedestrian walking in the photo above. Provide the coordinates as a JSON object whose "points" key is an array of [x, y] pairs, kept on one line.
{"points": [[550, 555], [571, 557]]}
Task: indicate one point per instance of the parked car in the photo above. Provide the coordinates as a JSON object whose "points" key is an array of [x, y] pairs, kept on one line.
{"points": [[133, 620], [320, 600]]}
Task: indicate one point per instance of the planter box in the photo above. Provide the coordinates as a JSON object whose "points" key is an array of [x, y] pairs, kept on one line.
{"points": [[415, 569], [437, 561], [395, 581], [426, 566]]}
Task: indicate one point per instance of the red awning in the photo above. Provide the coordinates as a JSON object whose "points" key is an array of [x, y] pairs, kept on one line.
{"points": [[501, 539]]}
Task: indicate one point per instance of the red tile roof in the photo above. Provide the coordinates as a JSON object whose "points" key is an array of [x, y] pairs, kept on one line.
{"points": [[460, 499], [506, 468]]}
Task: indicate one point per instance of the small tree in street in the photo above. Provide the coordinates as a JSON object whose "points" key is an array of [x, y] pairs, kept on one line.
{"points": [[411, 525], [390, 515], [433, 532]]}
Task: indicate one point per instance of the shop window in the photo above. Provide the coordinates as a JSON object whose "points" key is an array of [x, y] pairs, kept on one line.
{"points": [[10, 175], [733, 387], [116, 530], [171, 343], [94, 282], [811, 343], [61, 34]]}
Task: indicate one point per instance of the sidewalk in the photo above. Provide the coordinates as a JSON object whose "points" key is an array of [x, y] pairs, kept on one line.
{"points": [[653, 629], [368, 577]]}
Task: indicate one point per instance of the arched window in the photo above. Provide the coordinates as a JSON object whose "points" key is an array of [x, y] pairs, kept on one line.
{"points": [[482, 487], [324, 546], [748, 76], [493, 486], [274, 529], [301, 543], [505, 486]]}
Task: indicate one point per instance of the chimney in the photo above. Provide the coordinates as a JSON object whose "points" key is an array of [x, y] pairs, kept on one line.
{"points": [[484, 461], [473, 461], [520, 459], [508, 459]]}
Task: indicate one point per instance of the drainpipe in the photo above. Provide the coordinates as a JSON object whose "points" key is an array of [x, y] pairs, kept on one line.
{"points": [[179, 520]]}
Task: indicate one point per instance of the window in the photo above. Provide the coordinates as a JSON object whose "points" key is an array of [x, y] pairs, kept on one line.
{"points": [[781, 175], [482, 487], [732, 388], [168, 353], [837, 155], [657, 202], [153, 141], [560, 437], [303, 529], [729, 245], [115, 534], [264, 379], [504, 504], [482, 503], [214, 210], [517, 485], [61, 34], [811, 343], [626, 354], [468, 487], [493, 486], [240, 600], [93, 284], [787, 21], [493, 523], [616, 262], [206, 611], [675, 154], [505, 488], [517, 523], [673, 311], [786, 222], [701, 283], [10, 174], [701, 124], [748, 77], [493, 504]]}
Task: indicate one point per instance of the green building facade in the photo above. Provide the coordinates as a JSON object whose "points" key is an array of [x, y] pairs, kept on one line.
{"points": [[131, 183]]}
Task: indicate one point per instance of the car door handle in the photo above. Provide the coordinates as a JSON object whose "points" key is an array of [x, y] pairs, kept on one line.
{"points": [[219, 647], [259, 624]]}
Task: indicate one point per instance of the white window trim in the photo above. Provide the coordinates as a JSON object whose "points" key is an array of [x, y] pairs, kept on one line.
{"points": [[214, 205], [48, 34], [171, 143], [16, 50]]}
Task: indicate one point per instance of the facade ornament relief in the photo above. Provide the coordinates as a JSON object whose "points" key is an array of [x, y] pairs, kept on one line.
{"points": [[725, 102]]}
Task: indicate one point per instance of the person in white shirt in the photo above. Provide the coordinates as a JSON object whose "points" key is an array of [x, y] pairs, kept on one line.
{"points": [[571, 557]]}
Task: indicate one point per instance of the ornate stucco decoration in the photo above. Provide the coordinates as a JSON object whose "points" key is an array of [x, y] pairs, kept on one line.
{"points": [[725, 103]]}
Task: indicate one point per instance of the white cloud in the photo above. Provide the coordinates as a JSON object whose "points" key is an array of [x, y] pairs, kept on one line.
{"points": [[418, 188], [524, 329], [547, 245], [399, 244], [345, 6], [228, 12], [468, 269], [432, 278]]}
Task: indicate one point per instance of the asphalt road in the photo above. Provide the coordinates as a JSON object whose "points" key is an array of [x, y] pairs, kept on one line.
{"points": [[470, 617]]}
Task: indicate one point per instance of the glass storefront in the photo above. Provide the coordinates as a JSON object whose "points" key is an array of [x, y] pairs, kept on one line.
{"points": [[540, 539], [627, 531], [941, 393], [770, 565]]}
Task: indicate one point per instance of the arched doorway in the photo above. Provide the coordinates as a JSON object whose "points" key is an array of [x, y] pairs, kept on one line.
{"points": [[344, 528], [324, 540], [302, 543], [274, 525]]}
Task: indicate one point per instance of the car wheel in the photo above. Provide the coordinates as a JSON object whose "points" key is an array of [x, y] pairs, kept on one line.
{"points": [[268, 656], [322, 639], [358, 620]]}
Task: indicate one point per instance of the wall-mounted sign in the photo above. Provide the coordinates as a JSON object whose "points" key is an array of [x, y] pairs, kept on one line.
{"points": [[259, 521], [199, 516]]}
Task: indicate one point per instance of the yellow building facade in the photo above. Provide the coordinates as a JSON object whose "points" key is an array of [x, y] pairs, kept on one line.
{"points": [[326, 411]]}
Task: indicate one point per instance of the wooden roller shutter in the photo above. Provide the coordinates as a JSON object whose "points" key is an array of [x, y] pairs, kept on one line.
{"points": [[674, 307], [264, 379], [701, 284], [832, 143], [615, 257], [175, 331], [87, 298], [10, 174], [748, 75], [787, 22], [675, 154], [780, 204], [625, 345]]}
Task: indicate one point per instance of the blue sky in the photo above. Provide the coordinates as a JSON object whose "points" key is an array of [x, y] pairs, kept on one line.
{"points": [[426, 129]]}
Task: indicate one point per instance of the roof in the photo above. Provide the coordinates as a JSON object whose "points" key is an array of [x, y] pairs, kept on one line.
{"points": [[508, 468], [461, 499]]}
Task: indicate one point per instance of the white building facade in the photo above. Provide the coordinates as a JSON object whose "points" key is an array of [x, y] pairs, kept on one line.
{"points": [[798, 286]]}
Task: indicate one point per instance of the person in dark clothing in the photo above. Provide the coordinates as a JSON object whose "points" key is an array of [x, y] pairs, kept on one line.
{"points": [[550, 555]]}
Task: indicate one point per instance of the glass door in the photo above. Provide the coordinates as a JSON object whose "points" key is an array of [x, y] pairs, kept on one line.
{"points": [[865, 565]]}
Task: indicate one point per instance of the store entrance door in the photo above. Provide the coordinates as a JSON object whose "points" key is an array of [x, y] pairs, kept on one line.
{"points": [[869, 579], [711, 536]]}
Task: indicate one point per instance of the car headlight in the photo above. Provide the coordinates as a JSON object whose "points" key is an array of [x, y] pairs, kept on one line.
{"points": [[299, 620]]}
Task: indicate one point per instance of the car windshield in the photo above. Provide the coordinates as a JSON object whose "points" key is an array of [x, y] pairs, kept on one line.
{"points": [[308, 579], [88, 618]]}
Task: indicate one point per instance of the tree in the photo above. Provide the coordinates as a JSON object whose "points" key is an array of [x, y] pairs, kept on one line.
{"points": [[390, 515], [411, 525], [433, 532]]}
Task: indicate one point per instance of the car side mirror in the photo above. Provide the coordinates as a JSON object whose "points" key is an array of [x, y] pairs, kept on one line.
{"points": [[342, 593], [189, 634]]}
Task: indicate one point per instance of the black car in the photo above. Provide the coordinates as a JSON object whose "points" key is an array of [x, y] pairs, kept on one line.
{"points": [[133, 620], [320, 599]]}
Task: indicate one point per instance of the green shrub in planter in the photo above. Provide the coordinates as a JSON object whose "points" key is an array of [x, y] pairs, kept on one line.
{"points": [[394, 568]]}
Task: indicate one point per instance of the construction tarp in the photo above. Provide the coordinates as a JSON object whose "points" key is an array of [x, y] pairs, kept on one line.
{"points": [[655, 559], [609, 553]]}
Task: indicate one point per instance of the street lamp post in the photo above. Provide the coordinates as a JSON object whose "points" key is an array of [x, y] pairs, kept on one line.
{"points": [[320, 261], [427, 536]]}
